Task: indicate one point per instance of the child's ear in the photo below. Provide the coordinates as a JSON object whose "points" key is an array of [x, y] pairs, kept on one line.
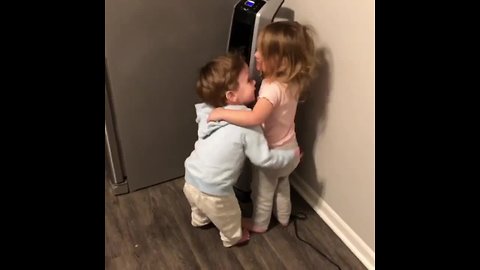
{"points": [[231, 96]]}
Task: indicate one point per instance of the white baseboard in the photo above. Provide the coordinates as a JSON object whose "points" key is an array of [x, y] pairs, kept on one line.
{"points": [[363, 252]]}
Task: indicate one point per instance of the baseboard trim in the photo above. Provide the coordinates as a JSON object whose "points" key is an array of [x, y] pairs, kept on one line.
{"points": [[361, 250]]}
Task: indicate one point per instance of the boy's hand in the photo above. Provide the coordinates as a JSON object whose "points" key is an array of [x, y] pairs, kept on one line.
{"points": [[215, 115]]}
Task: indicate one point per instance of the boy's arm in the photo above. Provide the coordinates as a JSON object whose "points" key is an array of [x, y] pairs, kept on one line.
{"points": [[258, 115], [256, 149]]}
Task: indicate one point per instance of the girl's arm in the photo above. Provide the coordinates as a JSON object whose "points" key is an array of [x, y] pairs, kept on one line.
{"points": [[257, 116]]}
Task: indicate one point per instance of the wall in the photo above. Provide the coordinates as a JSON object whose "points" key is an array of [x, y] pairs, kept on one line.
{"points": [[336, 124]]}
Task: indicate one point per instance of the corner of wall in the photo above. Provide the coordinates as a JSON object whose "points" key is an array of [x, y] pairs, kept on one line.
{"points": [[359, 248]]}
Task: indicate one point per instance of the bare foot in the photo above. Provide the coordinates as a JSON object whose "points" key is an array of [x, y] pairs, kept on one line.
{"points": [[248, 223], [245, 237]]}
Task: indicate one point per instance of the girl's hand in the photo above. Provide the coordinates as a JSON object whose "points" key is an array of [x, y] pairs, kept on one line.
{"points": [[215, 115], [298, 152]]}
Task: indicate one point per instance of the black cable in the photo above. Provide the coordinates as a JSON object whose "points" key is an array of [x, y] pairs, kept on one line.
{"points": [[302, 216]]}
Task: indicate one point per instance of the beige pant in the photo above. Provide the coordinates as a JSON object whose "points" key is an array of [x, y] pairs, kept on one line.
{"points": [[223, 211], [271, 192]]}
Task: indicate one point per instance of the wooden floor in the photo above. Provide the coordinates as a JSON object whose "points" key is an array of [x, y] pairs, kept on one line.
{"points": [[150, 229]]}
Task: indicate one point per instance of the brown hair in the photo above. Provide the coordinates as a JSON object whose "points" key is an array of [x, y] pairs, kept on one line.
{"points": [[217, 77], [288, 51]]}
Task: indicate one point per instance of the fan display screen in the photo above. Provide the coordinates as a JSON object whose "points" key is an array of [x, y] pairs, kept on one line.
{"points": [[249, 3]]}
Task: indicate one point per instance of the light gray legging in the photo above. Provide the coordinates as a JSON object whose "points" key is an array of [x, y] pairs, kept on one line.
{"points": [[271, 191]]}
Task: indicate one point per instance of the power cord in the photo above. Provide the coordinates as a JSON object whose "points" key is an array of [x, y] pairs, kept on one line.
{"points": [[302, 216]]}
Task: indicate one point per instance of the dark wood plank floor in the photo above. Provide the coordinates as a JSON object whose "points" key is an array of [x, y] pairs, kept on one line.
{"points": [[150, 229]]}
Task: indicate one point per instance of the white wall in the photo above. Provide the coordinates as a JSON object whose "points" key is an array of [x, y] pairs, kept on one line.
{"points": [[339, 164]]}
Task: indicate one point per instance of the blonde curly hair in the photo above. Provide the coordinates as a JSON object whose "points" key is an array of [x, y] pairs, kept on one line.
{"points": [[288, 52]]}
